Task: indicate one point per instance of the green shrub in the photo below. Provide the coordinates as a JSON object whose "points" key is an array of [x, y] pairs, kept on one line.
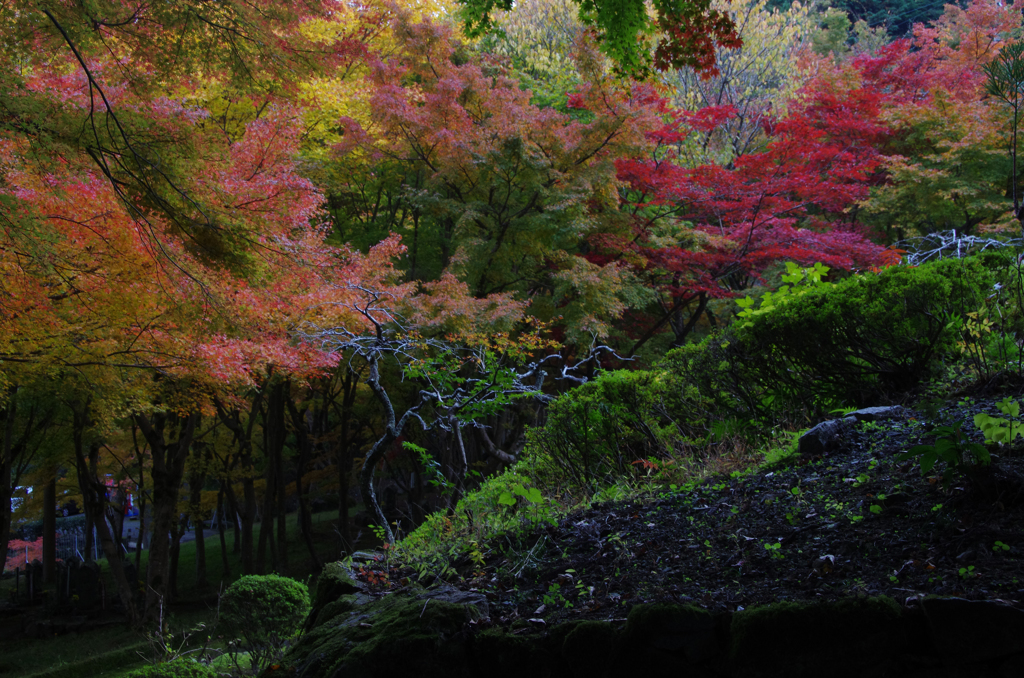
{"points": [[507, 503], [598, 432], [263, 612], [180, 668], [859, 341]]}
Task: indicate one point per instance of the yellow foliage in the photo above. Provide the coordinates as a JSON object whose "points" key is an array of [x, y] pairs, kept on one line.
{"points": [[758, 79], [361, 33]]}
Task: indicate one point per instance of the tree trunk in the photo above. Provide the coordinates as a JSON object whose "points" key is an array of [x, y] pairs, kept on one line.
{"points": [[140, 539], [168, 469], [232, 506], [94, 501], [195, 497], [50, 529], [267, 524], [178, 529], [304, 448], [243, 440], [343, 449], [140, 485], [220, 532], [274, 425], [6, 480], [248, 518], [393, 428]]}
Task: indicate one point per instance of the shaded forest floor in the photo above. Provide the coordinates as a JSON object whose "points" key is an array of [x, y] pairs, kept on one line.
{"points": [[856, 521]]}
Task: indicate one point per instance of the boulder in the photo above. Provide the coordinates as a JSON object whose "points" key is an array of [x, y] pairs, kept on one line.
{"points": [[876, 413], [825, 437]]}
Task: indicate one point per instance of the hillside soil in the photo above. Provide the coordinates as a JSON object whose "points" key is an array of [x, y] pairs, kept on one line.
{"points": [[855, 521]]}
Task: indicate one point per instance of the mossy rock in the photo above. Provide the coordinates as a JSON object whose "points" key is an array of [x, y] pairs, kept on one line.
{"points": [[335, 581], [499, 654], [845, 638], [590, 649], [399, 635], [669, 639]]}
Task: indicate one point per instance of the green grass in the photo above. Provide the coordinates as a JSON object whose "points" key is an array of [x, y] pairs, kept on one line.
{"points": [[105, 651], [111, 651]]}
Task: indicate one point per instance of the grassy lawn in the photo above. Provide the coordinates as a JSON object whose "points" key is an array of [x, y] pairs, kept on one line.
{"points": [[109, 648]]}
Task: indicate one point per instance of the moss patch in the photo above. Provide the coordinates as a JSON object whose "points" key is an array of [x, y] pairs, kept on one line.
{"points": [[396, 635], [841, 638]]}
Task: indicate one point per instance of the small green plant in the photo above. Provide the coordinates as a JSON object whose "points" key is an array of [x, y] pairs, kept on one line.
{"points": [[997, 429], [966, 572], [530, 494], [555, 598], [954, 448], [775, 550], [876, 509], [802, 278], [431, 468], [1000, 546]]}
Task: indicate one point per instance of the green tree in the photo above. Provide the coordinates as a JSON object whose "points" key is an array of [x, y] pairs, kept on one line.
{"points": [[1006, 83], [506, 192]]}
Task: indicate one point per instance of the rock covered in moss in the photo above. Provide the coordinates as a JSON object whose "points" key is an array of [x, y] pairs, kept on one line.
{"points": [[404, 633]]}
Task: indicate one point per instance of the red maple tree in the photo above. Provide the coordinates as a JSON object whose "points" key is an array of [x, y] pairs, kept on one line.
{"points": [[705, 232]]}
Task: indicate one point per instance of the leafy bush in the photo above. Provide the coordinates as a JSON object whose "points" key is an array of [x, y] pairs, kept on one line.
{"points": [[954, 448], [596, 432], [856, 342], [263, 611], [176, 669], [504, 504]]}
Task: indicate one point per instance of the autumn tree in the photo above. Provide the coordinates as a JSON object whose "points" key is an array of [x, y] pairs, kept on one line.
{"points": [[757, 80], [681, 33], [495, 190], [947, 161], [787, 202]]}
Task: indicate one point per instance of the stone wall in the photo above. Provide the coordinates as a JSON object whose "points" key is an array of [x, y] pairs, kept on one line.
{"points": [[446, 633]]}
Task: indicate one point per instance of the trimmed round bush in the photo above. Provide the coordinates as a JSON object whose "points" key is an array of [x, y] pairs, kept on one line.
{"points": [[263, 612], [176, 669]]}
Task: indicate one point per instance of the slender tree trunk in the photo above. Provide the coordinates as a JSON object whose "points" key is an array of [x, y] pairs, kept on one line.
{"points": [[274, 425], [50, 529], [94, 501], [6, 480], [229, 495], [248, 518], [267, 522], [140, 539], [220, 532], [168, 469], [178, 529], [393, 428], [196, 493], [304, 447], [243, 440], [343, 447], [141, 493]]}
